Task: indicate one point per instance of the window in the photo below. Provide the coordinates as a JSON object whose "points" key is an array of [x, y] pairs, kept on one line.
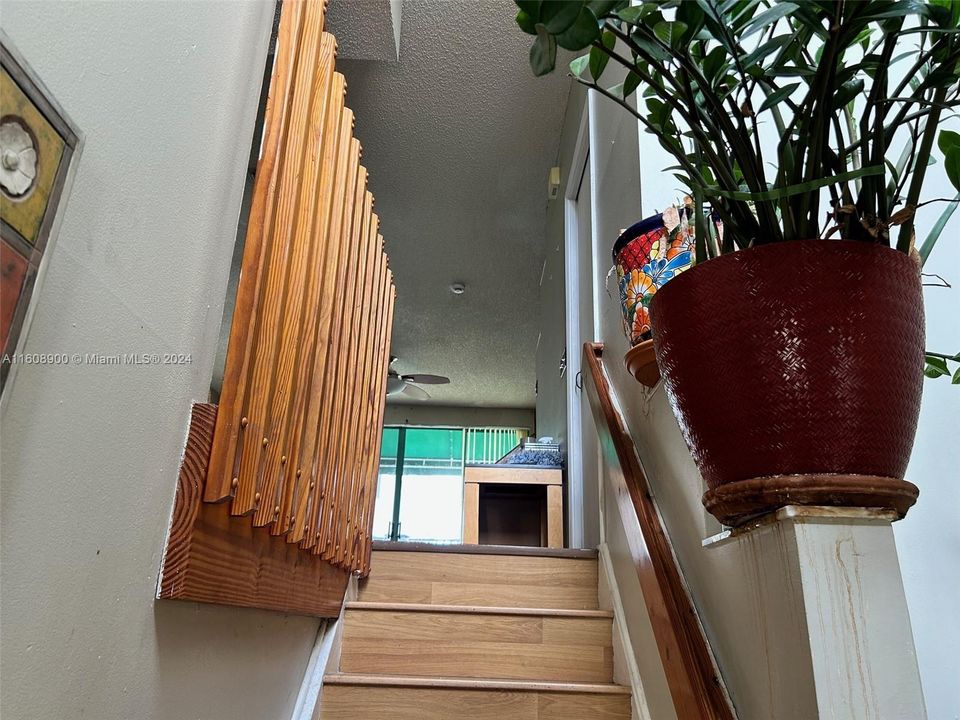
{"points": [[420, 485]]}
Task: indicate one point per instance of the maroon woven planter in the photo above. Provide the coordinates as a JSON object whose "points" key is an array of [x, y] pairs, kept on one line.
{"points": [[795, 371]]}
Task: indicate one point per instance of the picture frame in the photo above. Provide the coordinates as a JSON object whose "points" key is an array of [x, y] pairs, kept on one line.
{"points": [[40, 147]]}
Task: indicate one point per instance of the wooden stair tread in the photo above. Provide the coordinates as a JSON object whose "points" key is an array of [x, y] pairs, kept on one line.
{"points": [[476, 609], [470, 633], [474, 683], [478, 580], [571, 553]]}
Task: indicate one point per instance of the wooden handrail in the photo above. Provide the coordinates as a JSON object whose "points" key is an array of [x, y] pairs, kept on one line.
{"points": [[695, 684]]}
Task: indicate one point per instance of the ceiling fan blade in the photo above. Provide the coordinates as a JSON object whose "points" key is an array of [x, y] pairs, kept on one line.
{"points": [[394, 385], [417, 393], [427, 379]]}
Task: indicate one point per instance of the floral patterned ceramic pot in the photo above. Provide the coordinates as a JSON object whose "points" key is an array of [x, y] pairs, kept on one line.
{"points": [[647, 255]]}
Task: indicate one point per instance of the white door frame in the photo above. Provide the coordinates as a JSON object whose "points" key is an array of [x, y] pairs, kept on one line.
{"points": [[578, 166]]}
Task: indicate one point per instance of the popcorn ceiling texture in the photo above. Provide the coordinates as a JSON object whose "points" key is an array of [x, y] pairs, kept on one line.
{"points": [[459, 138]]}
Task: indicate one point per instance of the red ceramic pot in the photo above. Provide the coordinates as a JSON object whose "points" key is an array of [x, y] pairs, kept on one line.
{"points": [[795, 371]]}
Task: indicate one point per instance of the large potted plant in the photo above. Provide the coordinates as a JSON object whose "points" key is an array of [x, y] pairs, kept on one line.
{"points": [[793, 350]]}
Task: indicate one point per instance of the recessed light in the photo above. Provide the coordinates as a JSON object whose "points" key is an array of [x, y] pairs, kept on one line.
{"points": [[458, 288]]}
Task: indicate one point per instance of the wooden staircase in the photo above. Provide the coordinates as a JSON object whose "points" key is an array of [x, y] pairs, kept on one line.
{"points": [[476, 636]]}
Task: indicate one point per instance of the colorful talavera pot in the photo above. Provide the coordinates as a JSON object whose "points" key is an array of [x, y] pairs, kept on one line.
{"points": [[647, 255]]}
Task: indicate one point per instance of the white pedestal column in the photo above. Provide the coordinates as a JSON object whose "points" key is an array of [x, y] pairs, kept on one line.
{"points": [[830, 604]]}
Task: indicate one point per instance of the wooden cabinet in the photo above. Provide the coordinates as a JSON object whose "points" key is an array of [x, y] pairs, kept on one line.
{"points": [[513, 505]]}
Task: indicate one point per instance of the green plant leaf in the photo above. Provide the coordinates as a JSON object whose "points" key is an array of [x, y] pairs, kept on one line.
{"points": [[634, 14], [713, 64], [543, 54], [739, 13], [598, 58], [655, 50], [578, 65], [630, 84], [938, 364], [932, 372], [798, 71], [898, 9], [582, 33], [768, 17], [603, 7], [927, 247], [557, 15], [530, 7], [790, 190], [946, 13], [526, 22], [778, 95], [952, 165], [670, 33], [948, 141], [956, 378], [691, 16], [762, 51], [847, 92]]}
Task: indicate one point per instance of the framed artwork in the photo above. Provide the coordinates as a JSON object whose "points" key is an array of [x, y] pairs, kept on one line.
{"points": [[39, 149]]}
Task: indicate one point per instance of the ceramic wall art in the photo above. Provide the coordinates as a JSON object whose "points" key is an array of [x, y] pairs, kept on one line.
{"points": [[39, 147]]}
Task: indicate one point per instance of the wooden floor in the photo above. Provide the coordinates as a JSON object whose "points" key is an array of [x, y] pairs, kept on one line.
{"points": [[469, 636]]}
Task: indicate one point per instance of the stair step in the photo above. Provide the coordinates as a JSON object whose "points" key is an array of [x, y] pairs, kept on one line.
{"points": [[387, 545], [375, 697], [462, 683], [481, 580], [477, 609], [478, 644]]}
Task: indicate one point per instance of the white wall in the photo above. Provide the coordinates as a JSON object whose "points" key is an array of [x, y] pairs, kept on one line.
{"points": [[166, 94], [551, 388]]}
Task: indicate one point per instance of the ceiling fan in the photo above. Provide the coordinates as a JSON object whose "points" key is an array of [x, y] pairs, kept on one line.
{"points": [[408, 385]]}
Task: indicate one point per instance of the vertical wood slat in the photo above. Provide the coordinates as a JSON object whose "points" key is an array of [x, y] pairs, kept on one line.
{"points": [[361, 477], [376, 391], [383, 364], [346, 457], [335, 388], [373, 462], [257, 435], [321, 470], [336, 145], [303, 247], [328, 409], [318, 412], [364, 429], [353, 470], [345, 392], [298, 431], [219, 485]]}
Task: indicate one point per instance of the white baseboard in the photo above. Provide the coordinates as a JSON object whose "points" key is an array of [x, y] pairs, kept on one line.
{"points": [[625, 662], [324, 658]]}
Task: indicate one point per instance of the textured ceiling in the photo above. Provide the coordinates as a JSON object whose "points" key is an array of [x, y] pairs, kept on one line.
{"points": [[459, 138]]}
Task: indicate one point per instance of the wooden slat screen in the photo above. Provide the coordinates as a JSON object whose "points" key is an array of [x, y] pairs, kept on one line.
{"points": [[297, 434]]}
